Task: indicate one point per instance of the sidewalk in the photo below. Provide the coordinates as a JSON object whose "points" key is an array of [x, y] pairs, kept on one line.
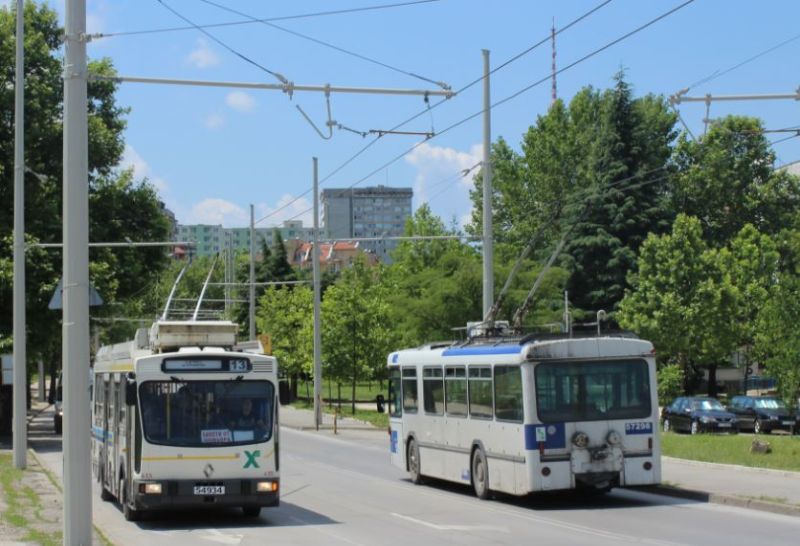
{"points": [[758, 488], [31, 501]]}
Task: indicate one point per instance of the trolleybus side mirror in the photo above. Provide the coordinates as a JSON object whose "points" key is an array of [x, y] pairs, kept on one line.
{"points": [[130, 390], [380, 401], [283, 392]]}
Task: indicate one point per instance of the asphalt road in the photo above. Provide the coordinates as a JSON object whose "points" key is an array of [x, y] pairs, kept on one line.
{"points": [[340, 492]]}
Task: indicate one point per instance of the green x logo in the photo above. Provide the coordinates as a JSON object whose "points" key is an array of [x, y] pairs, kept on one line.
{"points": [[251, 458]]}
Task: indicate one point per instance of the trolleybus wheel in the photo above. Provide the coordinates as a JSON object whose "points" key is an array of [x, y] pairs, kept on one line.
{"points": [[105, 494], [130, 513], [251, 511], [413, 462], [480, 474]]}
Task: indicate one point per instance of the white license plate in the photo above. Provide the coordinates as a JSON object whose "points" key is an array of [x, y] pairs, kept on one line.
{"points": [[724, 425], [788, 423], [209, 489]]}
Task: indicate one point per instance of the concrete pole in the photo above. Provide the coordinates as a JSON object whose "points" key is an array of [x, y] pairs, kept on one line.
{"points": [[20, 389], [77, 456], [317, 331], [41, 381], [252, 274], [488, 249]]}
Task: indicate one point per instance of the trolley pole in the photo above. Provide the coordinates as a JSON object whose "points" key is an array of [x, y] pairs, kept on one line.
{"points": [[77, 456], [20, 423], [488, 250], [317, 332], [252, 274]]}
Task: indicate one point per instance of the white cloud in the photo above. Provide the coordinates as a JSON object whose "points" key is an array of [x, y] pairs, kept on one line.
{"points": [[141, 169], [301, 209], [202, 56], [214, 121], [217, 211], [439, 171], [240, 101]]}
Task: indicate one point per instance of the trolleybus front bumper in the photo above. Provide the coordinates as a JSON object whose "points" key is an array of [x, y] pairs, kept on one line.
{"points": [[182, 493]]}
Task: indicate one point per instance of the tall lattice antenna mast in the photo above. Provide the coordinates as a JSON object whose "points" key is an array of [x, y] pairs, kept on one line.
{"points": [[553, 45]]}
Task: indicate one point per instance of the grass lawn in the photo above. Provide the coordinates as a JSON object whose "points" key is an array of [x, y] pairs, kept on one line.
{"points": [[24, 509], [727, 449], [380, 420]]}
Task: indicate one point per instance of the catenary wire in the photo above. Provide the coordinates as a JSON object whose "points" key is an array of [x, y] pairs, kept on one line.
{"points": [[431, 107], [282, 18], [328, 44], [278, 76], [521, 91]]}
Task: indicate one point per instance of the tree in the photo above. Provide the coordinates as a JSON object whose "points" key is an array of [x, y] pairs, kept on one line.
{"points": [[278, 262], [119, 207], [356, 332], [727, 180], [595, 168], [287, 316], [682, 300]]}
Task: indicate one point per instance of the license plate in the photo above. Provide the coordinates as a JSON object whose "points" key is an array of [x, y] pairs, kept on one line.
{"points": [[724, 425], [209, 489], [788, 423]]}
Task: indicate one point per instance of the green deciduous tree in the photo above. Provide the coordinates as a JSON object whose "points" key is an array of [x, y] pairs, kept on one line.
{"points": [[682, 300]]}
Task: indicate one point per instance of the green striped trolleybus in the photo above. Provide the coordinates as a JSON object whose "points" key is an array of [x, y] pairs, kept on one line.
{"points": [[526, 414], [182, 417]]}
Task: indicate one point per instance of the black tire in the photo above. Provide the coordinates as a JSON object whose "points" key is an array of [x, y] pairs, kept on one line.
{"points": [[414, 468], [59, 427], [251, 511], [480, 474], [130, 513], [666, 426], [105, 494]]}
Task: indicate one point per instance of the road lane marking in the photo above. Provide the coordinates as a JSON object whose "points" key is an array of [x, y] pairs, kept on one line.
{"points": [[438, 527]]}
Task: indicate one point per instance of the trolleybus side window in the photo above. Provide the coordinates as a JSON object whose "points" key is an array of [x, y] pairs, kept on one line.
{"points": [[508, 393], [433, 390], [410, 392], [592, 391], [480, 392], [394, 393], [455, 393]]}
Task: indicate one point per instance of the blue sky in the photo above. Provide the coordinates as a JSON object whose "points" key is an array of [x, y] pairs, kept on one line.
{"points": [[212, 152]]}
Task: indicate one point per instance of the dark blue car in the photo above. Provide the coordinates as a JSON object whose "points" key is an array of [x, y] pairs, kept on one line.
{"points": [[695, 414]]}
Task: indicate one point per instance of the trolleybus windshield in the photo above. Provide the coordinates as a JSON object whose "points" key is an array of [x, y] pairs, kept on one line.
{"points": [[592, 391], [206, 413]]}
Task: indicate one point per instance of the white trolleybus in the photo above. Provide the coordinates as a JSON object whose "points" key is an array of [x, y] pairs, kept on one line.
{"points": [[184, 418], [519, 415]]}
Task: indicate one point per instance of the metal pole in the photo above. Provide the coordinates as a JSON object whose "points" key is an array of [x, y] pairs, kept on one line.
{"points": [[77, 456], [288, 88], [488, 251], [20, 422], [252, 274], [317, 331]]}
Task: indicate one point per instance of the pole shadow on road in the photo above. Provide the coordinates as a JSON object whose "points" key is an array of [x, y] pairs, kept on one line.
{"points": [[286, 515]]}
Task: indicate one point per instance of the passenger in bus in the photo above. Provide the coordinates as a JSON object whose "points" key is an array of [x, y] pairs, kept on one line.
{"points": [[247, 420]]}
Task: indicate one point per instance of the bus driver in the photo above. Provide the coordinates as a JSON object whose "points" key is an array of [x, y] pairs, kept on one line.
{"points": [[247, 420]]}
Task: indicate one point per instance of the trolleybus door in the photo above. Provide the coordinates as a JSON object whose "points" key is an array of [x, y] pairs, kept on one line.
{"points": [[395, 409]]}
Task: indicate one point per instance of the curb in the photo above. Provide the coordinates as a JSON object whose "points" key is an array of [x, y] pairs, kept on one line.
{"points": [[728, 500], [734, 467], [36, 413]]}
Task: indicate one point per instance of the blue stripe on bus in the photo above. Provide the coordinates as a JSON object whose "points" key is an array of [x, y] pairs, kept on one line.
{"points": [[554, 433], [485, 350]]}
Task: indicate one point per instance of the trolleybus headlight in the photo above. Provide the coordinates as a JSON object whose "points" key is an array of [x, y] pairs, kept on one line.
{"points": [[613, 438], [580, 440], [150, 488], [267, 487]]}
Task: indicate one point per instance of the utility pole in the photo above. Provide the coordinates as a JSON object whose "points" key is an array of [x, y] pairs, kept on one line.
{"points": [[317, 331], [20, 388], [77, 456], [488, 252], [252, 273]]}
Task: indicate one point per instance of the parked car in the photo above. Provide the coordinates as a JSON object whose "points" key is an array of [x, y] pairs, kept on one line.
{"points": [[695, 414], [58, 404], [762, 413]]}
